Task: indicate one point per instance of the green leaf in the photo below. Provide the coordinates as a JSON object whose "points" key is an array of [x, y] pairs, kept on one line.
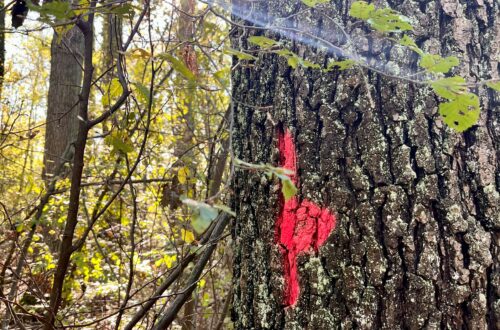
{"points": [[240, 55], [202, 214], [288, 188], [263, 42], [362, 10], [313, 3], [388, 20], [309, 64], [382, 20], [410, 43], [223, 76], [285, 52], [438, 64], [20, 228], [114, 91], [60, 10], [494, 85], [341, 65], [462, 112], [178, 66], [125, 10], [295, 60], [143, 92], [449, 88], [119, 143]]}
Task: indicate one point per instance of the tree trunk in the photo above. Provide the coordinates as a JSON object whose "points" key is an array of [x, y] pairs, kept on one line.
{"points": [[417, 205], [2, 46], [62, 104]]}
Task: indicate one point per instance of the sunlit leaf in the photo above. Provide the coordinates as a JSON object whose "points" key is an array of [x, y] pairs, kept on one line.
{"points": [[140, 53], [494, 85], [382, 20], [295, 60], [410, 43], [361, 9], [462, 112], [308, 64], [438, 64], [388, 20], [313, 3], [124, 10], [114, 91], [240, 55], [119, 143], [59, 9], [341, 65], [222, 76], [263, 42], [187, 236], [143, 92], [183, 174], [449, 88], [288, 188], [169, 260], [179, 66]]}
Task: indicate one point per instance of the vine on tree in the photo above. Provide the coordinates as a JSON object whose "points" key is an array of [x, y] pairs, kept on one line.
{"points": [[460, 111]]}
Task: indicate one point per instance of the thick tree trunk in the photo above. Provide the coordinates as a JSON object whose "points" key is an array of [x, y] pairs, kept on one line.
{"points": [[417, 205], [62, 104]]}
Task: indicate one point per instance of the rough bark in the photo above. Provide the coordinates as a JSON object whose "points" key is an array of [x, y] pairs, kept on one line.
{"points": [[62, 104], [417, 205]]}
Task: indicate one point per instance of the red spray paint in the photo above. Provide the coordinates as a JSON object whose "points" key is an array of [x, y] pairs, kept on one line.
{"points": [[302, 226]]}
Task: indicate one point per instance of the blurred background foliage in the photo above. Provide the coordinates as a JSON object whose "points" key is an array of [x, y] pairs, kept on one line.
{"points": [[166, 142]]}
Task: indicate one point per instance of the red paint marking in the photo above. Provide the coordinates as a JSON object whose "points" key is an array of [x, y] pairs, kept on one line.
{"points": [[301, 225]]}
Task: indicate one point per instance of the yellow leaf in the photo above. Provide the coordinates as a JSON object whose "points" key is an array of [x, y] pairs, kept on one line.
{"points": [[141, 53], [183, 174], [169, 260], [114, 91], [187, 236]]}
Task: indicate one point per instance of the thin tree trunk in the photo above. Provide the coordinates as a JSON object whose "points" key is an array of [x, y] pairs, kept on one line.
{"points": [[417, 205], [184, 131], [66, 248]]}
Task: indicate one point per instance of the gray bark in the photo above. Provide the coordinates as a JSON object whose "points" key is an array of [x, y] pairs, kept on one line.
{"points": [[417, 205], [65, 85]]}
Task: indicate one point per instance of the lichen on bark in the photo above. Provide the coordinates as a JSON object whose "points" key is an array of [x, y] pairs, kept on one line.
{"points": [[417, 205]]}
